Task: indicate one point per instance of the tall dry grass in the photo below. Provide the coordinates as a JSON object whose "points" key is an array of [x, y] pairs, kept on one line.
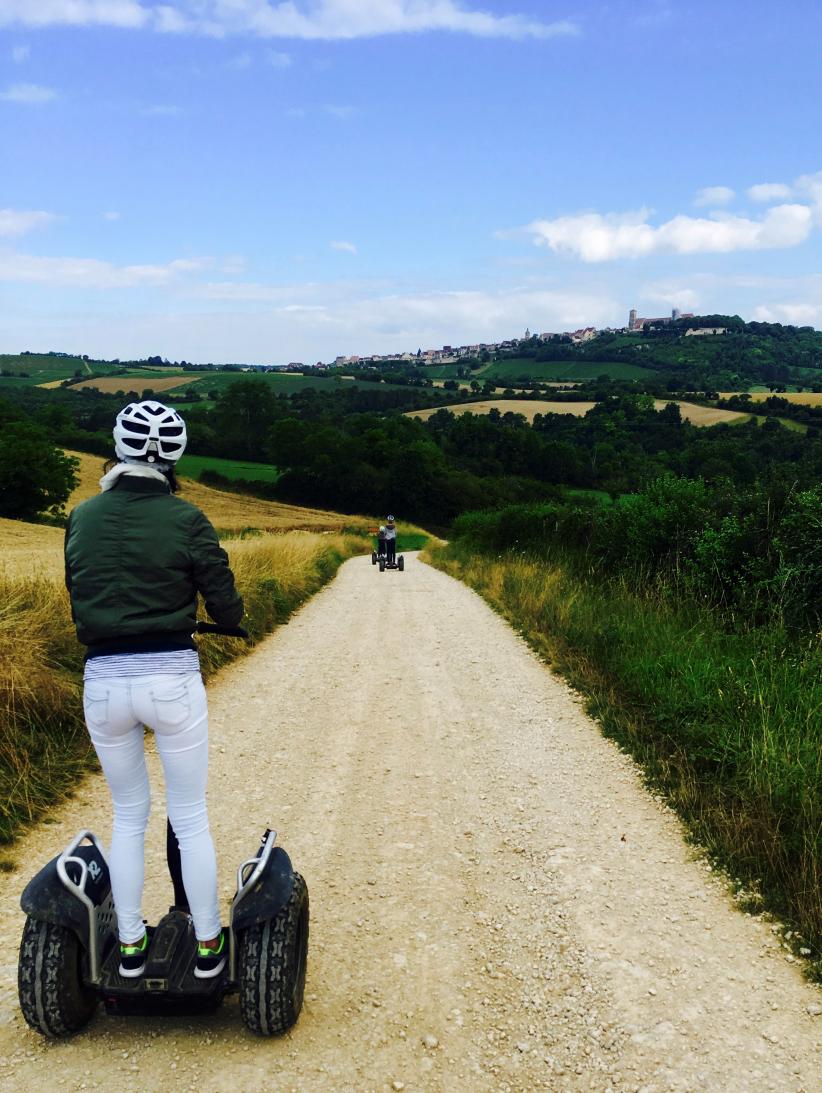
{"points": [[44, 747]]}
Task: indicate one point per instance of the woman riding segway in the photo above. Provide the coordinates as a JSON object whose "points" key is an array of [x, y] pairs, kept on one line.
{"points": [[136, 559], [391, 540]]}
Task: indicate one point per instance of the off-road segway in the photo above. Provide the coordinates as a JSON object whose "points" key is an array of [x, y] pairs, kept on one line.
{"points": [[397, 563], [70, 954]]}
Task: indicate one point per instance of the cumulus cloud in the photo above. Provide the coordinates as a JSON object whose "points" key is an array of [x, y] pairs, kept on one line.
{"points": [[595, 237], [358, 309], [673, 293], [30, 93], [49, 13], [805, 188], [792, 313], [14, 222], [766, 192], [711, 196], [307, 19], [92, 272], [342, 244]]}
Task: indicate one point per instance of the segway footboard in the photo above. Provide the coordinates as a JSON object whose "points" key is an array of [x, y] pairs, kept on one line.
{"points": [[168, 986]]}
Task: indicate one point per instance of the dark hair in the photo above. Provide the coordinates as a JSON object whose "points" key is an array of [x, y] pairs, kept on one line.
{"points": [[170, 476]]}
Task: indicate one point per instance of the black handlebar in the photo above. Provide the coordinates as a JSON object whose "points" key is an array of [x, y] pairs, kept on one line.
{"points": [[225, 631]]}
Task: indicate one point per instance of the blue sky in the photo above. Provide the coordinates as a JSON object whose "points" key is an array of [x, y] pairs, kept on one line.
{"points": [[250, 180]]}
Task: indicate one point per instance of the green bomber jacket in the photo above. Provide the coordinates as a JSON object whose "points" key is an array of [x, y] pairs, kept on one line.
{"points": [[136, 559]]}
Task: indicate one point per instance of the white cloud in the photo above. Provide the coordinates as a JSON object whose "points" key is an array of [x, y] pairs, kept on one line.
{"points": [[767, 192], [341, 244], [48, 13], [31, 93], [15, 222], [711, 196], [382, 321], [595, 237], [92, 272], [111, 215], [19, 54], [277, 59], [307, 19], [810, 187], [796, 313], [672, 293], [805, 188]]}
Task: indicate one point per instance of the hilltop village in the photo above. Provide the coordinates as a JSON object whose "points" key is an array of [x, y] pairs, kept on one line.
{"points": [[449, 354]]}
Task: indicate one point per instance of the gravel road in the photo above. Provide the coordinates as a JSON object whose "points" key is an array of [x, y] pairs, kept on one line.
{"points": [[497, 902]]}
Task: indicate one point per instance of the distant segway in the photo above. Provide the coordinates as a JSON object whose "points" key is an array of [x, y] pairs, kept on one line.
{"points": [[70, 954], [398, 563]]}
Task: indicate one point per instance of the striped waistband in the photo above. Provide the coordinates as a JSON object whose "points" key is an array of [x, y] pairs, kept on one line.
{"points": [[176, 662]]}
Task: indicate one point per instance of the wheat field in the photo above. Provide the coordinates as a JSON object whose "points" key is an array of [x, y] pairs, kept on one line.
{"points": [[800, 398], [697, 415], [37, 549]]}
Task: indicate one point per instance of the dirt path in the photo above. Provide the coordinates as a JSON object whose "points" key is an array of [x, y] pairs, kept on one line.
{"points": [[497, 904]]}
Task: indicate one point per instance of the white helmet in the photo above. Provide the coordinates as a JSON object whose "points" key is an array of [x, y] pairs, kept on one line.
{"points": [[382, 527], [150, 432], [390, 519]]}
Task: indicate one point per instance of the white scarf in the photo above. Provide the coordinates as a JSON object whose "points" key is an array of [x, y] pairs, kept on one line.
{"points": [[139, 470]]}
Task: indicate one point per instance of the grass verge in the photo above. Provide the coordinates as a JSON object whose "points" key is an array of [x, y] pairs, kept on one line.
{"points": [[728, 724], [44, 746]]}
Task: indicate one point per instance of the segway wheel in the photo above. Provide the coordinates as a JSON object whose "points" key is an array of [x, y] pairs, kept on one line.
{"points": [[382, 565], [373, 557], [401, 563], [272, 963], [53, 997]]}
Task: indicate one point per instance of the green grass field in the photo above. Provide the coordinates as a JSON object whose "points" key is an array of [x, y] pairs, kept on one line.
{"points": [[42, 368], [282, 384], [190, 466], [512, 370]]}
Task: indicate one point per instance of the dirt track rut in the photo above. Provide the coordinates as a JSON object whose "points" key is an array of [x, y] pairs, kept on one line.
{"points": [[497, 903]]}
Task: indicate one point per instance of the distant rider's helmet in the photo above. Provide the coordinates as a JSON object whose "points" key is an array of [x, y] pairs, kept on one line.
{"points": [[150, 432], [382, 527], [390, 519]]}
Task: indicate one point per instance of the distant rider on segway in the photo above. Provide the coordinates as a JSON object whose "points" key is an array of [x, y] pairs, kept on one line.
{"points": [[381, 541], [391, 540], [136, 559]]}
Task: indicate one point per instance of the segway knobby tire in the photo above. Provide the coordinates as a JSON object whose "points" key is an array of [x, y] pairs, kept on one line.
{"points": [[401, 563], [53, 997], [382, 565], [272, 964], [373, 557]]}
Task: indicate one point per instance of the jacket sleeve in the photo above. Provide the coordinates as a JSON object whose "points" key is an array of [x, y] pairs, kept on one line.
{"points": [[65, 555], [212, 574]]}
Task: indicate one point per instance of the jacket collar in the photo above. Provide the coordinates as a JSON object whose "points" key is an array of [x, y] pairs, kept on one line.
{"points": [[131, 484]]}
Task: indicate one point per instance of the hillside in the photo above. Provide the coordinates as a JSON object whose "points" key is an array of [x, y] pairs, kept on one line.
{"points": [[28, 549], [529, 408]]}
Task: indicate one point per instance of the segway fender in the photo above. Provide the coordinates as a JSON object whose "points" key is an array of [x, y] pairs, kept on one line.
{"points": [[268, 895], [45, 897]]}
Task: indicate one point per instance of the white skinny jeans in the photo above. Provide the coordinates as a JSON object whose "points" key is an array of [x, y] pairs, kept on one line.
{"points": [[174, 706]]}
